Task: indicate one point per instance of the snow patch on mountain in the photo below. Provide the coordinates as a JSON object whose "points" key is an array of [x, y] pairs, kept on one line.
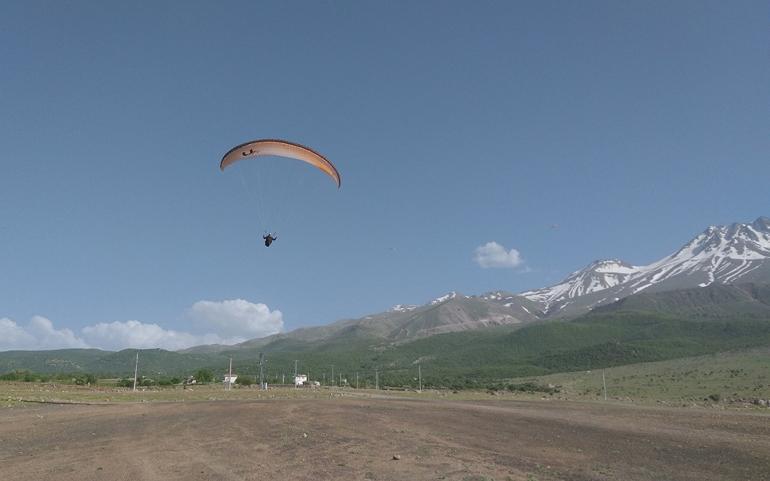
{"points": [[403, 308], [443, 298], [496, 296]]}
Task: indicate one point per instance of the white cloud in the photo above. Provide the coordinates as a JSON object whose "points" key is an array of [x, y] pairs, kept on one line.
{"points": [[237, 317], [38, 334], [134, 334], [225, 322], [493, 254]]}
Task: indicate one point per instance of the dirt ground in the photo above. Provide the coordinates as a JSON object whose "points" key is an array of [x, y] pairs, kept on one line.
{"points": [[357, 439]]}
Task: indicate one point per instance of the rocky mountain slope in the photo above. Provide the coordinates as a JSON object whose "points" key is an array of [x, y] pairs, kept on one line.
{"points": [[452, 312], [716, 301]]}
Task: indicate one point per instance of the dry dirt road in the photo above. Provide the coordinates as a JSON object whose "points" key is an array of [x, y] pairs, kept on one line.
{"points": [[357, 439]]}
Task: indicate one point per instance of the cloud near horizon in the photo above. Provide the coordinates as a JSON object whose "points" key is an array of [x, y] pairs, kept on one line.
{"points": [[114, 336], [225, 322], [237, 317], [39, 333], [494, 255]]}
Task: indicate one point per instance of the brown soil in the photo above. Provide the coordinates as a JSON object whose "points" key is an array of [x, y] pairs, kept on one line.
{"points": [[358, 439]]}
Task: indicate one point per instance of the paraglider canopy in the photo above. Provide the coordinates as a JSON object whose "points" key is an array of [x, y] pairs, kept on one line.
{"points": [[280, 148]]}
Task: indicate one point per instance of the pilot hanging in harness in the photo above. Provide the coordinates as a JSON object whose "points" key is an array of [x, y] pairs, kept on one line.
{"points": [[269, 239]]}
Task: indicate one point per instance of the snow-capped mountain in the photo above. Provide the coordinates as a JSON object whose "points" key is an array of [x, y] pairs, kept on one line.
{"points": [[720, 254], [597, 276], [735, 254]]}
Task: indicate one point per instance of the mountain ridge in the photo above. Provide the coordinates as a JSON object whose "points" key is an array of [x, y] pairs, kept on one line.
{"points": [[739, 252]]}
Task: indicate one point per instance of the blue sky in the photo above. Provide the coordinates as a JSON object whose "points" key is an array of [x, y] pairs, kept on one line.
{"points": [[629, 125]]}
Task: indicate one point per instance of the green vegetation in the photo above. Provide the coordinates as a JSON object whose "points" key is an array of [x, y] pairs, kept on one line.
{"points": [[81, 379]]}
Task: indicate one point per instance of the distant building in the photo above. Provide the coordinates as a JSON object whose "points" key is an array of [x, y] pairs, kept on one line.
{"points": [[300, 379], [230, 378]]}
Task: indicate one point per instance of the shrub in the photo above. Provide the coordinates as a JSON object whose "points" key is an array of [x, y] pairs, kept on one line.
{"points": [[85, 379], [126, 382], [204, 375], [532, 387], [12, 376]]}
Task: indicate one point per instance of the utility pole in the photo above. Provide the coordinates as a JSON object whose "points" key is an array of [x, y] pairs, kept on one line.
{"points": [[419, 377], [136, 368], [356, 379], [340, 384], [376, 379], [604, 383], [295, 374], [283, 378], [261, 371], [230, 375], [332, 374]]}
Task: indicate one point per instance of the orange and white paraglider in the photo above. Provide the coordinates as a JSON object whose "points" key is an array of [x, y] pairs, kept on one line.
{"points": [[279, 148]]}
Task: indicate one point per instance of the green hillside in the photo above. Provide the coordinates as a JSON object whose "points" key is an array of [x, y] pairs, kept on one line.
{"points": [[154, 362], [714, 301]]}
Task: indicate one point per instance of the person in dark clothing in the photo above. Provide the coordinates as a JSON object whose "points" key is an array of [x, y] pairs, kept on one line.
{"points": [[269, 239]]}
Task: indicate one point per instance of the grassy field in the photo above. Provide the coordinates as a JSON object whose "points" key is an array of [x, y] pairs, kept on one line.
{"points": [[17, 393], [732, 376], [726, 379]]}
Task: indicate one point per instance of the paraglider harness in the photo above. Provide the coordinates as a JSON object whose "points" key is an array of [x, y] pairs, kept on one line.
{"points": [[269, 238]]}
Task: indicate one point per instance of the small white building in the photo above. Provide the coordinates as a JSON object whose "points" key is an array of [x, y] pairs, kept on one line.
{"points": [[230, 378], [300, 379]]}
